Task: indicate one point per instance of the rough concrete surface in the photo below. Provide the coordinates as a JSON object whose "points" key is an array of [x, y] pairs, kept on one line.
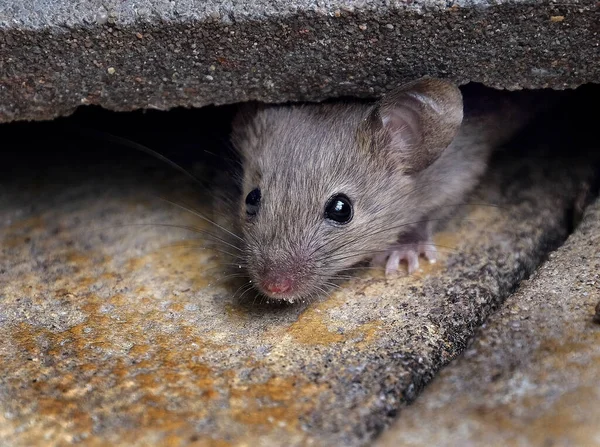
{"points": [[126, 335], [531, 375], [56, 55]]}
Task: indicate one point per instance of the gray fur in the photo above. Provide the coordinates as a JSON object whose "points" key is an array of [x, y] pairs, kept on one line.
{"points": [[299, 156]]}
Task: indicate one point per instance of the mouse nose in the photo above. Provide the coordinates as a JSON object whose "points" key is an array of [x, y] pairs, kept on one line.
{"points": [[278, 286]]}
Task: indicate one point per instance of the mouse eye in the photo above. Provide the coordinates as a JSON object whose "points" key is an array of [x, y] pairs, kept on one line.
{"points": [[252, 202], [339, 209]]}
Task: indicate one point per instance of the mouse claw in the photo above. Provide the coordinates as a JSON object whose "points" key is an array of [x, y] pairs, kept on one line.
{"points": [[396, 256], [410, 254], [428, 250], [393, 264]]}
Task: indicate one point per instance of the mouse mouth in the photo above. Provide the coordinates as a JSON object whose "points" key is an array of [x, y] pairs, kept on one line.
{"points": [[281, 284], [289, 279], [279, 288]]}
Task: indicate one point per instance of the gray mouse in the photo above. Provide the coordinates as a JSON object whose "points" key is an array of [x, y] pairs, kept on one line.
{"points": [[326, 186]]}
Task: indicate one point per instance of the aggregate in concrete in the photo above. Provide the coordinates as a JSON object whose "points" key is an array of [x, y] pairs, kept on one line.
{"points": [[126, 335], [531, 375], [57, 55]]}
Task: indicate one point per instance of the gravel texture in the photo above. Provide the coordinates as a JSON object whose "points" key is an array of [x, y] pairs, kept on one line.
{"points": [[56, 55]]}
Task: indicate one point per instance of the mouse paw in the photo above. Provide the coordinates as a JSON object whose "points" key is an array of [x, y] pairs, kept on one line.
{"points": [[409, 253]]}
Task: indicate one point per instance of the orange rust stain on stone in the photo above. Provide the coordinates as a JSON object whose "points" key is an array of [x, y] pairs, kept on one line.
{"points": [[565, 417], [134, 264], [311, 329], [562, 348], [30, 225], [184, 261], [13, 241], [77, 258], [62, 394], [446, 240], [176, 307], [211, 443], [117, 300], [84, 283], [571, 417], [235, 312], [277, 402], [369, 331], [112, 361], [75, 281], [66, 411], [557, 353], [139, 350]]}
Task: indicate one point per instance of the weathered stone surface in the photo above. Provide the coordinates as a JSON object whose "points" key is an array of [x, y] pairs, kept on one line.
{"points": [[56, 55], [110, 335], [531, 375]]}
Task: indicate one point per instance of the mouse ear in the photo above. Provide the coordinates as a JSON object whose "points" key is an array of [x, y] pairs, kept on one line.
{"points": [[417, 121]]}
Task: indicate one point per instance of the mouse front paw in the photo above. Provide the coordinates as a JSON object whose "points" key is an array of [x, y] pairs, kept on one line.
{"points": [[408, 252]]}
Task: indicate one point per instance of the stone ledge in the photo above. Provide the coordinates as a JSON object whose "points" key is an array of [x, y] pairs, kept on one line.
{"points": [[531, 375], [57, 55], [113, 337]]}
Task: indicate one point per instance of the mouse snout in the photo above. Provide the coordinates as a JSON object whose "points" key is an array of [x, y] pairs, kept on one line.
{"points": [[279, 280], [281, 285], [280, 274]]}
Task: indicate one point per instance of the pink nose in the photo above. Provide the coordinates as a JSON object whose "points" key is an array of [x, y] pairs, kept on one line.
{"points": [[280, 286]]}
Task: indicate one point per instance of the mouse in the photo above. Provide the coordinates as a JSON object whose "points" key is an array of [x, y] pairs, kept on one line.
{"points": [[326, 186]]}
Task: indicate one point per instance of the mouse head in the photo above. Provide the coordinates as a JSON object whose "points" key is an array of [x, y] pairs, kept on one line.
{"points": [[325, 186]]}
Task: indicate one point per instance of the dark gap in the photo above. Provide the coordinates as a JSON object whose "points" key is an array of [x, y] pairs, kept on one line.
{"points": [[67, 150]]}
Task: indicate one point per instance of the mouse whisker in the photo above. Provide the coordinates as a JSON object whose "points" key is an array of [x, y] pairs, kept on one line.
{"points": [[145, 149], [397, 227], [182, 227], [313, 235], [244, 287], [366, 254], [257, 295], [224, 279], [377, 231], [201, 216], [251, 240], [234, 275], [321, 290], [332, 258], [237, 161], [221, 274], [184, 244], [237, 265], [330, 252], [358, 268], [331, 284], [330, 275]]}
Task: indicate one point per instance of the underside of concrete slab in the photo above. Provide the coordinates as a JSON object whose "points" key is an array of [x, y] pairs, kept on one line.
{"points": [[56, 55]]}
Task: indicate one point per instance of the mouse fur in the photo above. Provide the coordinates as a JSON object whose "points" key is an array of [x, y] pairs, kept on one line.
{"points": [[400, 161]]}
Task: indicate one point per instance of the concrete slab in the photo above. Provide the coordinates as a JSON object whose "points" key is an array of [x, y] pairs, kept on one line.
{"points": [[112, 334], [56, 55], [531, 375]]}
